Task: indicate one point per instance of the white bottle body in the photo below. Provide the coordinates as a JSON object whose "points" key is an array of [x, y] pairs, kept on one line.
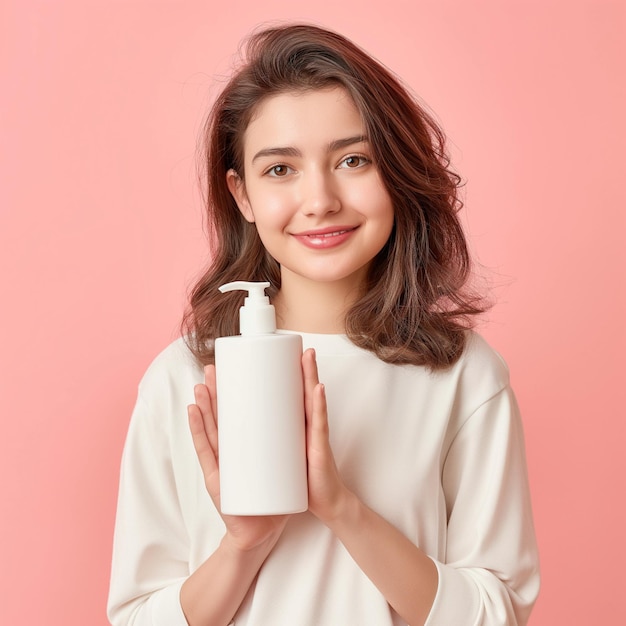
{"points": [[261, 424]]}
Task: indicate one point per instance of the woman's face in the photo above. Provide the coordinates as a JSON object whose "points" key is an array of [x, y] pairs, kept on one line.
{"points": [[311, 187]]}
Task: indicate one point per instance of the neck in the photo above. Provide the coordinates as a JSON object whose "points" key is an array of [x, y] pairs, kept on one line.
{"points": [[313, 307]]}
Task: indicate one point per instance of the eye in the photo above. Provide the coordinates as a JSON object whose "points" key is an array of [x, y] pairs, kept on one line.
{"points": [[278, 171], [353, 161]]}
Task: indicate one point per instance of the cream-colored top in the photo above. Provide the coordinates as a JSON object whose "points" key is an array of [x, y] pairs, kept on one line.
{"points": [[440, 456]]}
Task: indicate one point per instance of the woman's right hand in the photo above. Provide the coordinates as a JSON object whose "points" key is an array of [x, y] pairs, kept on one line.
{"points": [[243, 532]]}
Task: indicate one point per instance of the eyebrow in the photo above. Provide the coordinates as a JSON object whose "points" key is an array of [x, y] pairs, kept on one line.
{"points": [[338, 144]]}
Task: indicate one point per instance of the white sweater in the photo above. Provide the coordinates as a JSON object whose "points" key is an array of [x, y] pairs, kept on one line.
{"points": [[440, 456]]}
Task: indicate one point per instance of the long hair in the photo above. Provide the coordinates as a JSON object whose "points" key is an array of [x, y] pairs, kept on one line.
{"points": [[415, 307]]}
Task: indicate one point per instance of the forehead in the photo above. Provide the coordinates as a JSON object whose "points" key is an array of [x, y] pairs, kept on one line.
{"points": [[303, 117]]}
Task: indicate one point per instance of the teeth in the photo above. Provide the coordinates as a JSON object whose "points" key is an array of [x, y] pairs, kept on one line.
{"points": [[339, 232]]}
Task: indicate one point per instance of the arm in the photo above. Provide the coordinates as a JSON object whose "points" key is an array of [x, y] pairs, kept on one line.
{"points": [[150, 547], [491, 567], [490, 574], [150, 578], [402, 572], [230, 570], [227, 573]]}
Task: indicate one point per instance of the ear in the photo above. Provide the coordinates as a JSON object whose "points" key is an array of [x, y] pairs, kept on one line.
{"points": [[237, 188]]}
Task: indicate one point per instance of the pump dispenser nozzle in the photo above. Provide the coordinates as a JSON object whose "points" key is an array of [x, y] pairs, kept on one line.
{"points": [[257, 316]]}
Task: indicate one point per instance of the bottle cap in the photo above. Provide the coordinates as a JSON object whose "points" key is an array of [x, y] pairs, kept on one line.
{"points": [[257, 316]]}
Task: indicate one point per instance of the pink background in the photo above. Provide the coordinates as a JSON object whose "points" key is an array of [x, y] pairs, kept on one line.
{"points": [[100, 235]]}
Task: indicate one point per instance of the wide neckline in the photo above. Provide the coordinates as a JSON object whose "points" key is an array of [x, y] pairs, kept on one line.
{"points": [[322, 341]]}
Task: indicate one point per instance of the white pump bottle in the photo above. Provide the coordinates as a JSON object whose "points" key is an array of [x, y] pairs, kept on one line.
{"points": [[260, 408]]}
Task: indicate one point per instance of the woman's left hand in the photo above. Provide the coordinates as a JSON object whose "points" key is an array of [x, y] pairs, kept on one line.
{"points": [[327, 492]]}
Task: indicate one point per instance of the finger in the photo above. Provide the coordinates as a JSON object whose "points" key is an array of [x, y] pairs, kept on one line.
{"points": [[205, 403], [211, 385], [203, 448], [209, 379], [319, 423], [201, 395], [311, 379], [318, 445]]}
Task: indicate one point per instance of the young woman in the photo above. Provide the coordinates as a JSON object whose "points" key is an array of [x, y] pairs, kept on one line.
{"points": [[327, 179]]}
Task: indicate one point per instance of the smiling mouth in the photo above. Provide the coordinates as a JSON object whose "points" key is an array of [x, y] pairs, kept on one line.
{"points": [[326, 232], [327, 235], [326, 238]]}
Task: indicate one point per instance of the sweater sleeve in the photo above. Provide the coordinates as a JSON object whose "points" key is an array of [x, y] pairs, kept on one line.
{"points": [[490, 576], [150, 551]]}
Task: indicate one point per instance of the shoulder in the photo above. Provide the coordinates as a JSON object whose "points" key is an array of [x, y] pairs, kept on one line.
{"points": [[480, 360], [480, 374], [174, 367]]}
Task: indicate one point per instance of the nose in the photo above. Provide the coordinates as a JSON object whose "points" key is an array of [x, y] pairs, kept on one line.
{"points": [[319, 194]]}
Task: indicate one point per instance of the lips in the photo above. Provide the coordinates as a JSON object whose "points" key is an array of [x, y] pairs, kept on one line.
{"points": [[323, 238]]}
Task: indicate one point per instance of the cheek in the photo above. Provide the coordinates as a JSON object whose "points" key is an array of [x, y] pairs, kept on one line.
{"points": [[272, 218], [377, 203], [370, 194], [271, 210], [382, 214]]}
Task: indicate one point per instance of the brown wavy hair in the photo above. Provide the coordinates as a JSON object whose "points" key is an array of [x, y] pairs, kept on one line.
{"points": [[416, 305]]}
